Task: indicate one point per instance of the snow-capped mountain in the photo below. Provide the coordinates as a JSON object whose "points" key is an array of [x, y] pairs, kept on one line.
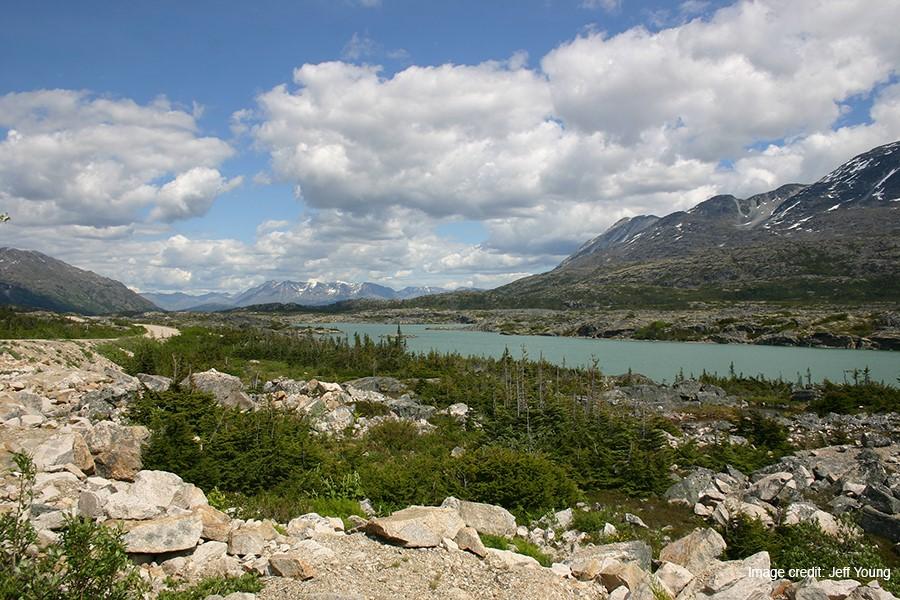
{"points": [[836, 239], [307, 293]]}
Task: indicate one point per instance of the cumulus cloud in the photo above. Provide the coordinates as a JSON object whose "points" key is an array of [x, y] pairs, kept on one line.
{"points": [[607, 126], [71, 158], [545, 154]]}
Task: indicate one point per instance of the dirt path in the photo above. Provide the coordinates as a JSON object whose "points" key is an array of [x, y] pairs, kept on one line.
{"points": [[159, 332]]}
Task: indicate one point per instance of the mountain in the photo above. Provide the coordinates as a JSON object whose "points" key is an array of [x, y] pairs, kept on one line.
{"points": [[182, 301], [835, 240], [308, 293], [32, 279]]}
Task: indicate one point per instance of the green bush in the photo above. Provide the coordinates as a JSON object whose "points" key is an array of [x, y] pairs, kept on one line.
{"points": [[850, 398], [88, 562], [516, 544]]}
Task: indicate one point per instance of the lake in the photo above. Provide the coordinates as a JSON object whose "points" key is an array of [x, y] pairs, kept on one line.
{"points": [[661, 361]]}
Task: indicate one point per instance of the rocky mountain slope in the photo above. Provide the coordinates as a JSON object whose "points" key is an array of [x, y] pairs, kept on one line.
{"points": [[304, 293], [32, 279], [836, 239]]}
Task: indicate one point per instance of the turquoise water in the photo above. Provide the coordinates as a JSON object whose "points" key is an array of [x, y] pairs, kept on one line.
{"points": [[660, 361]]}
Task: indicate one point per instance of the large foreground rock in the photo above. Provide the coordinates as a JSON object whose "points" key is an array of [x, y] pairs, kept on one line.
{"points": [[418, 526], [152, 494], [694, 551], [159, 536], [484, 518]]}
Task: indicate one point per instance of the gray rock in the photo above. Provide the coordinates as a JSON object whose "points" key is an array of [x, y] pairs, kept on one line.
{"points": [[485, 518], [688, 491], [694, 550], [467, 539], [163, 535], [625, 552], [62, 449], [250, 538], [227, 389], [881, 498], [382, 385], [418, 526], [156, 383], [878, 523], [117, 449]]}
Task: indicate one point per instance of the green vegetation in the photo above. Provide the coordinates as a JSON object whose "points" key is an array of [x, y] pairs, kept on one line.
{"points": [[516, 544], [88, 562], [859, 396], [543, 438], [23, 325], [804, 545], [222, 586]]}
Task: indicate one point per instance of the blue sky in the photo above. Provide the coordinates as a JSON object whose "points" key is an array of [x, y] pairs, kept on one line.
{"points": [[617, 107]]}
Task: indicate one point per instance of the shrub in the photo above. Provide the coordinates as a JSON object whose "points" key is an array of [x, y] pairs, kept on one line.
{"points": [[88, 562]]}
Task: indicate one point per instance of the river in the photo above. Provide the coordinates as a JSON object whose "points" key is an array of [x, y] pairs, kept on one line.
{"points": [[661, 361]]}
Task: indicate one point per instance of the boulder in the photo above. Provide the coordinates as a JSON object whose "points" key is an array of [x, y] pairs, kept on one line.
{"points": [[505, 559], [216, 524], [250, 538], [694, 550], [801, 512], [635, 551], [674, 577], [736, 580], [153, 493], [485, 518], [878, 523], [418, 526], [774, 487], [382, 385], [292, 565], [156, 383], [227, 389], [467, 539], [689, 490], [881, 498], [312, 524], [116, 449], [828, 589], [166, 534], [61, 449]]}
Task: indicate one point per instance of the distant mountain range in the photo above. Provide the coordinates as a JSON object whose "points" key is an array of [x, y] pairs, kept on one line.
{"points": [[32, 279], [307, 293], [835, 240]]}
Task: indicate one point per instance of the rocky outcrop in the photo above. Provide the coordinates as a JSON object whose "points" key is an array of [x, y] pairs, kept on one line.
{"points": [[418, 526], [228, 390], [484, 518]]}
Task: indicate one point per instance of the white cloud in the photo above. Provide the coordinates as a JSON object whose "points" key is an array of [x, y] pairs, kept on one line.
{"points": [[607, 5], [73, 158], [544, 156], [359, 46]]}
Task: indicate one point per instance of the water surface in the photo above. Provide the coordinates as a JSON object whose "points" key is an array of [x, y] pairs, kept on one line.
{"points": [[661, 361]]}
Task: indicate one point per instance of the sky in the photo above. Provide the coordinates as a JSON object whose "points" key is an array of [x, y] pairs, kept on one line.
{"points": [[213, 145]]}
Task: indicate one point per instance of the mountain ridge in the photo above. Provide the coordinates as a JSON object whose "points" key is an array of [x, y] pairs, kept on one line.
{"points": [[313, 292], [835, 239], [32, 279]]}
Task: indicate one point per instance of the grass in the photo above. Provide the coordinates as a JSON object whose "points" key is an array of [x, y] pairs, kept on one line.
{"points": [[518, 545]]}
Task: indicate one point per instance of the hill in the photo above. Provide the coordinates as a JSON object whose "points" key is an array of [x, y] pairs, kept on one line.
{"points": [[32, 279]]}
